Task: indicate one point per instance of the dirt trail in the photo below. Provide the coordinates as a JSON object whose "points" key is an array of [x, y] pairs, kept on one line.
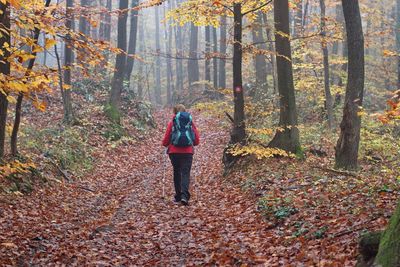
{"points": [[118, 217]]}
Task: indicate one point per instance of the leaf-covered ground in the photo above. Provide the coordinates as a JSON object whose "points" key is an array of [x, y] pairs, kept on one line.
{"points": [[116, 216]]}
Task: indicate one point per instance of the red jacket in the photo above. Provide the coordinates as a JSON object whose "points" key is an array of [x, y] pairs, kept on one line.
{"points": [[179, 150]]}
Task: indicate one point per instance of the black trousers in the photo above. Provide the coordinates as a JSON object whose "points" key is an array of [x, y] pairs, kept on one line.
{"points": [[182, 164]]}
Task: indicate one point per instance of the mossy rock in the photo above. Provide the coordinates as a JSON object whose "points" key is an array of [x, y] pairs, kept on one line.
{"points": [[112, 113]]}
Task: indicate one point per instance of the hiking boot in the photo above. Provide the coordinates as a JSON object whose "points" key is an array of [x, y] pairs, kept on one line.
{"points": [[184, 201]]}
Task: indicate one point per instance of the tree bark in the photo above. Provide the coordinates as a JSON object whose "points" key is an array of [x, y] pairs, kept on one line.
{"points": [[238, 134], [132, 40], [398, 43], [347, 146], [271, 48], [389, 246], [113, 110], [84, 26], [215, 60], [157, 89], [179, 63], [18, 107], [67, 103], [324, 45], [170, 75], [208, 52], [193, 64], [5, 25], [223, 49], [260, 61], [288, 138]]}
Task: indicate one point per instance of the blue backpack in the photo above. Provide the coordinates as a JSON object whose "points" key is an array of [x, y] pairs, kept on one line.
{"points": [[182, 130]]}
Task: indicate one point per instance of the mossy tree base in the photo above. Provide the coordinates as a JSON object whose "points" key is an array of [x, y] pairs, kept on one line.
{"points": [[112, 113], [389, 246], [368, 246]]}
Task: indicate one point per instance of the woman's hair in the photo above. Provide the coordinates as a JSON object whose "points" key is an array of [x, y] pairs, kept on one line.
{"points": [[179, 108]]}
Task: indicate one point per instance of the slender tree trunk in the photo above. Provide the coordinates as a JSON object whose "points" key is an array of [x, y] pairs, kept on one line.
{"points": [[193, 64], [170, 75], [5, 25], [348, 143], [260, 61], [238, 133], [132, 41], [142, 49], [84, 26], [18, 107], [398, 43], [179, 53], [157, 89], [67, 103], [113, 109], [324, 45], [208, 52], [298, 20], [288, 138], [272, 49], [215, 61], [223, 49]]}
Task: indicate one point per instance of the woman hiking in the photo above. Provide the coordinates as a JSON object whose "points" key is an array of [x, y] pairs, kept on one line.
{"points": [[180, 138]]}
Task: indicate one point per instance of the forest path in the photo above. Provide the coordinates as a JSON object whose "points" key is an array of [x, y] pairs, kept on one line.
{"points": [[119, 218]]}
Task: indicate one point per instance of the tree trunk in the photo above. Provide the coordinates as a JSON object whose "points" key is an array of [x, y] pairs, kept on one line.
{"points": [[238, 134], [142, 49], [170, 75], [389, 246], [67, 103], [328, 95], [348, 143], [4, 70], [271, 48], [18, 107], [193, 64], [113, 110], [84, 26], [398, 43], [157, 89], [215, 61], [222, 51], [260, 61], [132, 41], [179, 53], [298, 20], [208, 52], [288, 138]]}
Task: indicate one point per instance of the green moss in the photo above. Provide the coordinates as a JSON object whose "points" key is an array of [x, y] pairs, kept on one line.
{"points": [[112, 113], [389, 247]]}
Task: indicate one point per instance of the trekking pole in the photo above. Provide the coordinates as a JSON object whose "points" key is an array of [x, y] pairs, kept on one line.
{"points": [[163, 178]]}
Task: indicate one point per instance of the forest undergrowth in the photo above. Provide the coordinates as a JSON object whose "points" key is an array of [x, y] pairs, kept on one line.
{"points": [[276, 211]]}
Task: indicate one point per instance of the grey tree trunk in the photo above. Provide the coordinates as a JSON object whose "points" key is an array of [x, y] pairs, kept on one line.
{"points": [[179, 52], [398, 43], [208, 52], [113, 110], [132, 41], [170, 75], [222, 51], [271, 48], [5, 70], [84, 26], [324, 45], [193, 64], [287, 139], [215, 60], [142, 49], [260, 61], [347, 146], [157, 87], [67, 103]]}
